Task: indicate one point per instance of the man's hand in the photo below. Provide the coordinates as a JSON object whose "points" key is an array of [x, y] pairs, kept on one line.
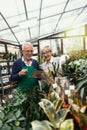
{"points": [[22, 72]]}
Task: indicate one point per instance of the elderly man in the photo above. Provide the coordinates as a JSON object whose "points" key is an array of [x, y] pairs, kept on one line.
{"points": [[23, 67]]}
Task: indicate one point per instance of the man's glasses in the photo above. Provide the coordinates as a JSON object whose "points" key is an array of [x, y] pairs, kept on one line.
{"points": [[28, 51]]}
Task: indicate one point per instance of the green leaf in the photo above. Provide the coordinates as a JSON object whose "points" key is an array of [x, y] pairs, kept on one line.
{"points": [[67, 125], [60, 116], [6, 127], [58, 104], [10, 117], [1, 115], [41, 125], [21, 118], [1, 123], [82, 93], [81, 84], [54, 96], [48, 108], [19, 128], [18, 113]]}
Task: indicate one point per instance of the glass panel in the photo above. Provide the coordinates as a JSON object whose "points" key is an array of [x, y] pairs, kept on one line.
{"points": [[72, 12], [20, 7], [35, 50], [3, 24], [82, 19], [47, 28], [70, 44], [13, 49], [9, 38], [53, 43], [52, 11], [34, 32], [22, 35], [8, 8], [33, 5], [49, 20], [44, 43], [14, 21], [7, 35], [48, 25], [77, 31], [13, 52], [50, 8], [73, 4], [67, 18], [2, 48], [53, 2]]}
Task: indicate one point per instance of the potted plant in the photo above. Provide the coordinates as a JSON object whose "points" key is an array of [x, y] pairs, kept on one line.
{"points": [[76, 71]]}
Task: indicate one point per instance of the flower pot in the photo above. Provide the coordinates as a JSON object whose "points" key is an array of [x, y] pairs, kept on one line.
{"points": [[83, 127]]}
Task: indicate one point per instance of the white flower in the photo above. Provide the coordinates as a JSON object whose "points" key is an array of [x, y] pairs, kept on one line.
{"points": [[10, 96], [82, 110]]}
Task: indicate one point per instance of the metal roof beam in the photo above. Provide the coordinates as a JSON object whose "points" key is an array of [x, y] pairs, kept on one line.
{"points": [[9, 27]]}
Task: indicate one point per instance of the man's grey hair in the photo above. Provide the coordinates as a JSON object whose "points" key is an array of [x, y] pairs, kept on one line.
{"points": [[26, 44]]}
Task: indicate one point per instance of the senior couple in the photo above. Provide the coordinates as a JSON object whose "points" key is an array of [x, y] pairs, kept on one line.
{"points": [[23, 67]]}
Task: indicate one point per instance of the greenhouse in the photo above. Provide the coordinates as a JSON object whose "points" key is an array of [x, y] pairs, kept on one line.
{"points": [[43, 65]]}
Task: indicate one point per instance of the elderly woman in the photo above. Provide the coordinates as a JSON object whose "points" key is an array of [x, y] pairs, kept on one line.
{"points": [[49, 59], [51, 62]]}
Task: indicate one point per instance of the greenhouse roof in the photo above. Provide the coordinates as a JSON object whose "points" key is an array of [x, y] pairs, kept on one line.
{"points": [[30, 20]]}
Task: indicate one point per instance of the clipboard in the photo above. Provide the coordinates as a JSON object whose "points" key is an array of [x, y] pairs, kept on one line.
{"points": [[36, 74]]}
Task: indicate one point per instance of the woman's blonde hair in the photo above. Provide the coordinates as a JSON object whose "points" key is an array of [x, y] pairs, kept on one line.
{"points": [[47, 48]]}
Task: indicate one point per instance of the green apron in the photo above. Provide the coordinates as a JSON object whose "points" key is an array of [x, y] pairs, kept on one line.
{"points": [[27, 82]]}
